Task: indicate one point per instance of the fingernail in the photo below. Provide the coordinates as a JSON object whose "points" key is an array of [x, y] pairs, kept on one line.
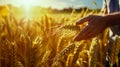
{"points": [[76, 39]]}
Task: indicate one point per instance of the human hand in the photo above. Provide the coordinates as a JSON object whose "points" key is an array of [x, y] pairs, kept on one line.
{"points": [[96, 25]]}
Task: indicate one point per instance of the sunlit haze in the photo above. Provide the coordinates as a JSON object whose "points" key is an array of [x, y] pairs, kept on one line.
{"points": [[58, 4], [28, 7]]}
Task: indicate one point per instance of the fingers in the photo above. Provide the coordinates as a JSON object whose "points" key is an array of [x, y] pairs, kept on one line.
{"points": [[83, 34], [83, 20], [90, 30], [86, 32], [91, 34]]}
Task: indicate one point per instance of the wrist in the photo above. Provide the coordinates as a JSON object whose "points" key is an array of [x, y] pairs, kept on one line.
{"points": [[112, 19], [109, 20]]}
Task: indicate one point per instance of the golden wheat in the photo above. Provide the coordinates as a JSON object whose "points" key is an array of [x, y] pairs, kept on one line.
{"points": [[48, 42]]}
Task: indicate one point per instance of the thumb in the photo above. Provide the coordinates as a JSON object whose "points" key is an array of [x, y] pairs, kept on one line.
{"points": [[83, 20]]}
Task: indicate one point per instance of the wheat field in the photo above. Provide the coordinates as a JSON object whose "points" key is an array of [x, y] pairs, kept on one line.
{"points": [[48, 42]]}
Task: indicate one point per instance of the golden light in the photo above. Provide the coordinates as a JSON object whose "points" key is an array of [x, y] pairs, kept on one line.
{"points": [[27, 4], [27, 7], [32, 8]]}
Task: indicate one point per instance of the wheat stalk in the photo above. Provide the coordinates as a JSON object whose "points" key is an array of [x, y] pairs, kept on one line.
{"points": [[93, 53], [115, 49], [64, 52]]}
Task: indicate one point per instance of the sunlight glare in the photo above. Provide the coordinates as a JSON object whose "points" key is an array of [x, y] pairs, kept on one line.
{"points": [[27, 7], [27, 4], [30, 9]]}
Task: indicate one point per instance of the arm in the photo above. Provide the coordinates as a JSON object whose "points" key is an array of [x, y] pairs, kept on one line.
{"points": [[96, 25], [113, 19]]}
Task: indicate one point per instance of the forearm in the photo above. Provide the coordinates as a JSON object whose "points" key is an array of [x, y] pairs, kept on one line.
{"points": [[113, 19]]}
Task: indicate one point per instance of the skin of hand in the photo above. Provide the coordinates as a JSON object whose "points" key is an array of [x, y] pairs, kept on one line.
{"points": [[96, 25]]}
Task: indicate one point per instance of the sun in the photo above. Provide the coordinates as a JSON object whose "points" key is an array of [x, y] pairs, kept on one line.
{"points": [[27, 4], [30, 8], [27, 7]]}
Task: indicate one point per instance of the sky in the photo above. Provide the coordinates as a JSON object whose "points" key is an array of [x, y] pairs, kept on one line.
{"points": [[58, 4]]}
